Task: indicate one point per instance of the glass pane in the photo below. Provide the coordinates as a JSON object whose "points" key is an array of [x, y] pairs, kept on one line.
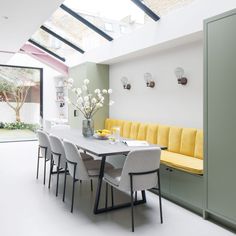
{"points": [[53, 44], [162, 7], [114, 17], [72, 29]]}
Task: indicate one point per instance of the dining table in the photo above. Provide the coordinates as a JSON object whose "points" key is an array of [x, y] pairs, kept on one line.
{"points": [[101, 148]]}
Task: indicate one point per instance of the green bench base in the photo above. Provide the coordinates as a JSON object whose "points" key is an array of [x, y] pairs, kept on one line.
{"points": [[183, 188]]}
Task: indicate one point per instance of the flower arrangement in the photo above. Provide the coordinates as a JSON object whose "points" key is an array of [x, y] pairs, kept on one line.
{"points": [[88, 103]]}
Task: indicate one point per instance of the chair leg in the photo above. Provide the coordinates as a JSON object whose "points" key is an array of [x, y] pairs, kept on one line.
{"points": [[136, 196], [50, 173], [91, 185], [132, 202], [45, 166], [64, 189], [57, 181], [37, 175], [160, 203], [143, 195], [106, 195], [112, 197], [58, 169], [73, 190]]}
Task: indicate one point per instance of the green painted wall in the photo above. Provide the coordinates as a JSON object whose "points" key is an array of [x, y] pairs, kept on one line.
{"points": [[98, 75]]}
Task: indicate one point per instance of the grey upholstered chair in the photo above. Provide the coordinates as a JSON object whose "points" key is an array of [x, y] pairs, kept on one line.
{"points": [[79, 169], [44, 151], [58, 158], [139, 173]]}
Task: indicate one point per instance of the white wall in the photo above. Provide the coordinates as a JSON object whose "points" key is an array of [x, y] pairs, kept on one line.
{"points": [[29, 113], [169, 102], [50, 79]]}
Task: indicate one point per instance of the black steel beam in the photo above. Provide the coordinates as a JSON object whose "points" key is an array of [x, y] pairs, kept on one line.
{"points": [[46, 50], [87, 23], [61, 39], [146, 9]]}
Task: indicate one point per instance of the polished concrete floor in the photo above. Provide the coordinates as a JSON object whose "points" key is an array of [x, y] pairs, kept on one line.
{"points": [[27, 208]]}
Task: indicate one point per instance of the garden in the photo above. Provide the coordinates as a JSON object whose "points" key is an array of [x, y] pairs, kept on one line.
{"points": [[19, 103]]}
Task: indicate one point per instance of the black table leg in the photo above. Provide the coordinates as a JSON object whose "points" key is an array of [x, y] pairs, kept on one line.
{"points": [[99, 186]]}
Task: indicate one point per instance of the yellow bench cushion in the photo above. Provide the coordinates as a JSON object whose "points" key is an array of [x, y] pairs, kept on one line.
{"points": [[151, 136], [198, 152], [126, 129], [174, 139], [163, 135], [188, 141], [182, 162], [142, 132], [134, 130], [118, 123], [108, 124]]}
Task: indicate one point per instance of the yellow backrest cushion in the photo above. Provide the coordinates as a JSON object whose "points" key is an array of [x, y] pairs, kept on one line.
{"points": [[198, 152], [126, 129], [142, 132], [134, 130], [174, 139], [108, 123], [188, 141], [163, 135], [151, 136], [119, 123]]}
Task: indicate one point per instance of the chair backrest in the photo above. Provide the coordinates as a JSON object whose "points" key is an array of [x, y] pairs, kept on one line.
{"points": [[44, 142], [141, 161], [58, 148], [47, 124], [73, 155]]}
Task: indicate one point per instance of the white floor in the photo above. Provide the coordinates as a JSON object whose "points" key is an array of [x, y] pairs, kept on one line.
{"points": [[27, 208]]}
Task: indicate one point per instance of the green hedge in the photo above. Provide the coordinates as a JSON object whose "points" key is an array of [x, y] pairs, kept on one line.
{"points": [[18, 125]]}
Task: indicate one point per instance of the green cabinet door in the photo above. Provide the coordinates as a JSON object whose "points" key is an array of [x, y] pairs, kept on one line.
{"points": [[220, 117], [165, 179], [187, 187]]}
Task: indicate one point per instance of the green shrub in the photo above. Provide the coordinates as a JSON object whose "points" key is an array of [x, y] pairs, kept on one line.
{"points": [[20, 125]]}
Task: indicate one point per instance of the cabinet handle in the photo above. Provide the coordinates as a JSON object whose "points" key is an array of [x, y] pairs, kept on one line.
{"points": [[167, 168], [170, 170]]}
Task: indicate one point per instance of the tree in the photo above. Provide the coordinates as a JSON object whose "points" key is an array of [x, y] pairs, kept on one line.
{"points": [[15, 90]]}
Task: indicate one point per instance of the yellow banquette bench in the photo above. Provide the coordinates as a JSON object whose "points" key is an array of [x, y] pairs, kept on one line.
{"points": [[184, 145]]}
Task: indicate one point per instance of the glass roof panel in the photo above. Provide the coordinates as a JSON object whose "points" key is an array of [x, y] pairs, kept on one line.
{"points": [[73, 30], [114, 17], [162, 7], [53, 44]]}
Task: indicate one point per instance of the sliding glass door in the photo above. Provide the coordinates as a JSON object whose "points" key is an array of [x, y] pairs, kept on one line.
{"points": [[21, 102]]}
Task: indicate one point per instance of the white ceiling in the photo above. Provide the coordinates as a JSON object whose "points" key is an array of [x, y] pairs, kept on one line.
{"points": [[19, 19]]}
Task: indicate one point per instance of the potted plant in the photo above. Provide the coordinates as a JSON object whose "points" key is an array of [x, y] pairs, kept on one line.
{"points": [[88, 103]]}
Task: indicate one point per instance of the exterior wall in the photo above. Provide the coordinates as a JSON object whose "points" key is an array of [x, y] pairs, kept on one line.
{"points": [[29, 113]]}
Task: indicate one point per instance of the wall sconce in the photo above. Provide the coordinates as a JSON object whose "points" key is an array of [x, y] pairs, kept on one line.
{"points": [[179, 72], [125, 82], [149, 81]]}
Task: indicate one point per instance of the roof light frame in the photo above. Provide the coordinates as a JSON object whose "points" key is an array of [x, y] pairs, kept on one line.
{"points": [[86, 22], [46, 50], [49, 31], [146, 9]]}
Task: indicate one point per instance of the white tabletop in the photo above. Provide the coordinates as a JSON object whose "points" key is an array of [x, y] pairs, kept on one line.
{"points": [[95, 146]]}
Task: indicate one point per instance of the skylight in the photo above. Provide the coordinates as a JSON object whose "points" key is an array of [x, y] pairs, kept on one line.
{"points": [[81, 25], [162, 7], [112, 16]]}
